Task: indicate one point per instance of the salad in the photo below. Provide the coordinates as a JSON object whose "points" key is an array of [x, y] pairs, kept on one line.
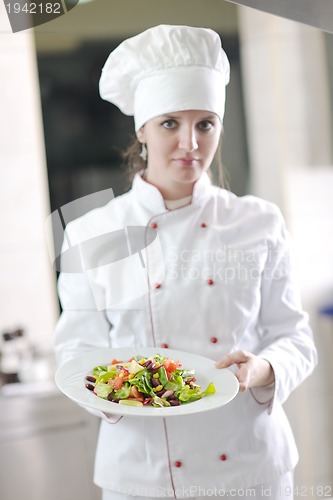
{"points": [[155, 381]]}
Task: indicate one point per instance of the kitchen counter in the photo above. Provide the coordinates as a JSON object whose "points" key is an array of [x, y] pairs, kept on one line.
{"points": [[47, 445]]}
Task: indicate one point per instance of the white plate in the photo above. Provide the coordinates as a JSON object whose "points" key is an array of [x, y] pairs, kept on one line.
{"points": [[70, 378]]}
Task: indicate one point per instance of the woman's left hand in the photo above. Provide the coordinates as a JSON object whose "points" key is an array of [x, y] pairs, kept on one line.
{"points": [[253, 371]]}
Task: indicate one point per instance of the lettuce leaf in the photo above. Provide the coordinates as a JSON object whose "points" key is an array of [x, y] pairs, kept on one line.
{"points": [[210, 389], [163, 377], [188, 393], [104, 377], [98, 370], [142, 382], [103, 390], [122, 393], [157, 401]]}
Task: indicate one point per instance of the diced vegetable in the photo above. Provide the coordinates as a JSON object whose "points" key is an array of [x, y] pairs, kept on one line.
{"points": [[130, 402]]}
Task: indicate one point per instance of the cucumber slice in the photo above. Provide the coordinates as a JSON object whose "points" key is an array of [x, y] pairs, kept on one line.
{"points": [[130, 402]]}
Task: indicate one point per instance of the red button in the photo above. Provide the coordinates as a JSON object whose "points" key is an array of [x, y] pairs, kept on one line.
{"points": [[223, 458], [203, 225], [178, 464], [213, 340], [165, 346], [157, 285], [210, 282], [153, 225]]}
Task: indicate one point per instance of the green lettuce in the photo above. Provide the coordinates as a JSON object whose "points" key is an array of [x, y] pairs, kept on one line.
{"points": [[103, 390], [98, 370], [122, 393], [142, 382], [188, 393], [157, 401], [104, 377]]}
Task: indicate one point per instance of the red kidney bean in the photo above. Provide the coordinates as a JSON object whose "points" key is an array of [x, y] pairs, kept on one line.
{"points": [[174, 402], [90, 387], [155, 382], [91, 378], [156, 368], [112, 398]]}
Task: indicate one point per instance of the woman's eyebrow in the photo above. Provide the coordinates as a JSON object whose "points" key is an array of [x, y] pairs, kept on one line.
{"points": [[209, 117]]}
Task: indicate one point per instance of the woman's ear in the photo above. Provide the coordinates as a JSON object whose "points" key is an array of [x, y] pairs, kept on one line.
{"points": [[141, 135]]}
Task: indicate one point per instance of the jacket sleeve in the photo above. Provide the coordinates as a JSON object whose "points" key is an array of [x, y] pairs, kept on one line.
{"points": [[286, 335], [81, 327]]}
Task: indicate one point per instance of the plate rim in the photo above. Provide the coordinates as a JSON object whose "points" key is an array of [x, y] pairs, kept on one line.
{"points": [[123, 410]]}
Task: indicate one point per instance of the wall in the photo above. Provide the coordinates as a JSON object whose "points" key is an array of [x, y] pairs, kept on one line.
{"points": [[122, 18], [289, 123], [27, 287]]}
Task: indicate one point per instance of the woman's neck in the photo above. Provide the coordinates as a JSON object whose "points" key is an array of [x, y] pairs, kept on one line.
{"points": [[172, 191]]}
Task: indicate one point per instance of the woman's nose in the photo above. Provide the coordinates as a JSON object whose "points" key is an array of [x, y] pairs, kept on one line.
{"points": [[188, 139]]}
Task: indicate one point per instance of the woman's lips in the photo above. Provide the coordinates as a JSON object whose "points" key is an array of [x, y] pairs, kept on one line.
{"points": [[187, 161]]}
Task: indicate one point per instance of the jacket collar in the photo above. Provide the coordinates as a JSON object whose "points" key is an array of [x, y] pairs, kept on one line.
{"points": [[150, 197]]}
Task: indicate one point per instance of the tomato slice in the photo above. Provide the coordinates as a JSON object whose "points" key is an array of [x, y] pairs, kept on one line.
{"points": [[117, 382], [115, 362], [170, 365]]}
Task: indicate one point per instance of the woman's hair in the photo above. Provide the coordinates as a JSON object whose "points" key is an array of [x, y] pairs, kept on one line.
{"points": [[135, 163]]}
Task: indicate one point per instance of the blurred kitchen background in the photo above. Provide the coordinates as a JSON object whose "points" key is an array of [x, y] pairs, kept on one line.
{"points": [[59, 141]]}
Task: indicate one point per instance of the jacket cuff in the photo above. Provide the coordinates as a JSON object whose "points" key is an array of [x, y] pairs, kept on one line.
{"points": [[110, 418], [264, 395]]}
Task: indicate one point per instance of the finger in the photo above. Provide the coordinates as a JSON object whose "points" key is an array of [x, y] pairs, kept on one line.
{"points": [[231, 359], [243, 375], [243, 386]]}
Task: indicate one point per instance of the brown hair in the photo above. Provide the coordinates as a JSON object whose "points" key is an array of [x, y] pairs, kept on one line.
{"points": [[132, 159]]}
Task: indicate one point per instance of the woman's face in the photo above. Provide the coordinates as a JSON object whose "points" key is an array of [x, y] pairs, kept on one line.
{"points": [[181, 146]]}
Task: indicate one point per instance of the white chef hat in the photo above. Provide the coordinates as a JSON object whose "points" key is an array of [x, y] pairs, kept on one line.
{"points": [[167, 69]]}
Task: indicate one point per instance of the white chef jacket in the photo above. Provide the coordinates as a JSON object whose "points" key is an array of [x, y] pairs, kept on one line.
{"points": [[225, 283]]}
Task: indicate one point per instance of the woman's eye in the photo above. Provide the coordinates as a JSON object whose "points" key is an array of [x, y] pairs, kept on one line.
{"points": [[169, 124], [205, 125]]}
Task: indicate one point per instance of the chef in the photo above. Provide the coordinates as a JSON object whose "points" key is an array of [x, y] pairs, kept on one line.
{"points": [[214, 277]]}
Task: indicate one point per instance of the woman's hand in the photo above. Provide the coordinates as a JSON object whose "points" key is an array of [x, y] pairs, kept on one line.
{"points": [[253, 371]]}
